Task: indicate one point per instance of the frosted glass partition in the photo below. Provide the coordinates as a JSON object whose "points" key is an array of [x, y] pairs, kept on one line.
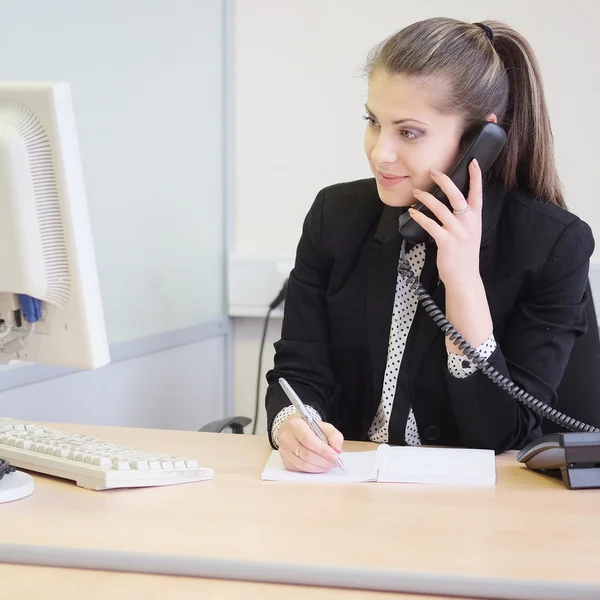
{"points": [[147, 84]]}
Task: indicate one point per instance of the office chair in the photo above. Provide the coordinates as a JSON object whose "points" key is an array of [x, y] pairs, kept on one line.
{"points": [[579, 389], [236, 424]]}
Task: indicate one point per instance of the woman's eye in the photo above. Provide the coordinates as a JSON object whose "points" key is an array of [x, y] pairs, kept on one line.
{"points": [[370, 120], [409, 135]]}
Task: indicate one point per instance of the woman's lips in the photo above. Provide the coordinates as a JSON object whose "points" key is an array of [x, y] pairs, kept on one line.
{"points": [[388, 180]]}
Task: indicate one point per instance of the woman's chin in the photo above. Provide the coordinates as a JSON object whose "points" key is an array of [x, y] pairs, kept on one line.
{"points": [[393, 198]]}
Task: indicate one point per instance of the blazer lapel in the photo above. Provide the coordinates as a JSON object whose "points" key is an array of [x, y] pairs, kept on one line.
{"points": [[383, 254], [424, 330]]}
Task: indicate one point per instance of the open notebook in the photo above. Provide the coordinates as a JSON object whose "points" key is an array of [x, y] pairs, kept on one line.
{"points": [[400, 464]]}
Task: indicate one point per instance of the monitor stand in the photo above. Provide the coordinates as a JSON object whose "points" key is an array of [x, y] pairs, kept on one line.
{"points": [[15, 485]]}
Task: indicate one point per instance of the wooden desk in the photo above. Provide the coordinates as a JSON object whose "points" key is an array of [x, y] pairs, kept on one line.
{"points": [[36, 583], [527, 527]]}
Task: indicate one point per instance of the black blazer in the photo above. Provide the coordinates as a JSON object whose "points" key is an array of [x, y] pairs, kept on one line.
{"points": [[534, 263]]}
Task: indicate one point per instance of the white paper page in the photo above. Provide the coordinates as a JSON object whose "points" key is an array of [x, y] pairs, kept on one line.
{"points": [[360, 466], [453, 466]]}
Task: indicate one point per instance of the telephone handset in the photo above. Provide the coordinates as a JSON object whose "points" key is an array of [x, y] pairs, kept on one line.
{"points": [[483, 142]]}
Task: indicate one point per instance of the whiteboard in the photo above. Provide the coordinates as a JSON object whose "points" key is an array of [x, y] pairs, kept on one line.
{"points": [[147, 85]]}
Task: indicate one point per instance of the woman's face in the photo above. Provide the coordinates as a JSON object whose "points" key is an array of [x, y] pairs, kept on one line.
{"points": [[406, 137]]}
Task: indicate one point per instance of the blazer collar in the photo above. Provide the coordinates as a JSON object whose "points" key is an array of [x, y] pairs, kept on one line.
{"points": [[493, 200]]}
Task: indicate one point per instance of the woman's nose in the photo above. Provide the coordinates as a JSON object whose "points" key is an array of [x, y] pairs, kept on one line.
{"points": [[384, 151]]}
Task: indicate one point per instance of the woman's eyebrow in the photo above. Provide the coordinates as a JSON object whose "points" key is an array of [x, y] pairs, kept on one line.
{"points": [[399, 121]]}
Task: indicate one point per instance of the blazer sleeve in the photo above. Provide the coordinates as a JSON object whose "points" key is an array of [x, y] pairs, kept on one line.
{"points": [[303, 354], [534, 351]]}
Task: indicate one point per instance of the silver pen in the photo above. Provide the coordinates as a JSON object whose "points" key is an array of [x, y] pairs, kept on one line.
{"points": [[299, 406]]}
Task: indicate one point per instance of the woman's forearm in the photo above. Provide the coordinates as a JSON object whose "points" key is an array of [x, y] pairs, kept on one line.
{"points": [[468, 310]]}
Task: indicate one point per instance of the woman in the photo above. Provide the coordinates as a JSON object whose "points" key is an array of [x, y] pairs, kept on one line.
{"points": [[508, 264]]}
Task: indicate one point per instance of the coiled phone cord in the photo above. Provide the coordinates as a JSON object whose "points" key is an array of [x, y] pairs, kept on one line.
{"points": [[471, 353]]}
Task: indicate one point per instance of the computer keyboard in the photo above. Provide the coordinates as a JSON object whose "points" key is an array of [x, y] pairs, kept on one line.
{"points": [[91, 463]]}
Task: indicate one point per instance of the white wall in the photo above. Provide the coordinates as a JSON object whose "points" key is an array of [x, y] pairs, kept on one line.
{"points": [[180, 388], [247, 334], [299, 101]]}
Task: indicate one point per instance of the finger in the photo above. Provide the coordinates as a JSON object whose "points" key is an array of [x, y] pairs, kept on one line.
{"points": [[314, 459], [290, 445], [439, 209], [310, 440], [454, 195], [429, 225], [298, 462], [334, 437], [313, 450], [287, 450], [295, 463], [475, 197]]}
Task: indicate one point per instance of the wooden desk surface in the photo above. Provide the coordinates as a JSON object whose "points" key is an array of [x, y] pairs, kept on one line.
{"points": [[528, 526], [45, 583]]}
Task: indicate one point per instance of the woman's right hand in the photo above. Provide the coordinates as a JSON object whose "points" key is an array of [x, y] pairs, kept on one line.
{"points": [[302, 450]]}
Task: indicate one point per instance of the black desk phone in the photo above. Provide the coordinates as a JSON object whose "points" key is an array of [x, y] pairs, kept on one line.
{"points": [[574, 455]]}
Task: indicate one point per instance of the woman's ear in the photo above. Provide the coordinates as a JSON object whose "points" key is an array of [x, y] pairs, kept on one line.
{"points": [[492, 118]]}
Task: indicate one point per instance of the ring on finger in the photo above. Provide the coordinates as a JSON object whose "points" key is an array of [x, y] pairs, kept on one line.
{"points": [[463, 211]]}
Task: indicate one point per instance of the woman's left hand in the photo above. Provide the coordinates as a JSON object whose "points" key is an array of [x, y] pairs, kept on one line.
{"points": [[458, 238]]}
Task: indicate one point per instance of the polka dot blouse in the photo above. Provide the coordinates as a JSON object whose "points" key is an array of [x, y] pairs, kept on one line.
{"points": [[405, 307]]}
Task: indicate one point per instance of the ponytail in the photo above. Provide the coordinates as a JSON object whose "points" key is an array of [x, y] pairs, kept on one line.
{"points": [[528, 158]]}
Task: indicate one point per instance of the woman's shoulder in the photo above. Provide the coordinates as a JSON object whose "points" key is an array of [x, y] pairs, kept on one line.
{"points": [[542, 230], [348, 208], [527, 206], [354, 196]]}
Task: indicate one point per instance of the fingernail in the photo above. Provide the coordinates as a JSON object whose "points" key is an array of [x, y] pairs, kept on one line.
{"points": [[475, 163], [435, 173], [333, 458], [417, 191], [411, 210]]}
